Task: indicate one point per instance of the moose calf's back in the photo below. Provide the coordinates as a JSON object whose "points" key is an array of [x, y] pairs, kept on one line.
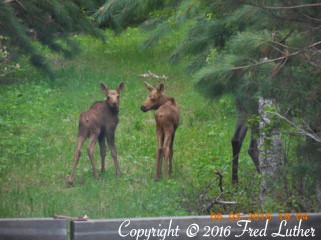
{"points": [[168, 114], [100, 117]]}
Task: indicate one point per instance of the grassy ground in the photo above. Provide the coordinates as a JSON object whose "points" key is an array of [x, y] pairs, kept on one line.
{"points": [[38, 124]]}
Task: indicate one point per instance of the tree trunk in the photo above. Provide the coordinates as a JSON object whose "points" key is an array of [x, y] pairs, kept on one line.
{"points": [[270, 146]]}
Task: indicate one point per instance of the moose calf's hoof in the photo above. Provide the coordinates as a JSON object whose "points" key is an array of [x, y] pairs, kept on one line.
{"points": [[70, 183]]}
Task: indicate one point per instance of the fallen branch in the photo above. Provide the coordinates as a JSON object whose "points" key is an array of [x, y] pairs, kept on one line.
{"points": [[83, 218], [153, 75], [217, 201]]}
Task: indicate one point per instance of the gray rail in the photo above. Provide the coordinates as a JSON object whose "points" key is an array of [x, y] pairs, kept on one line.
{"points": [[33, 229], [267, 227], [200, 227]]}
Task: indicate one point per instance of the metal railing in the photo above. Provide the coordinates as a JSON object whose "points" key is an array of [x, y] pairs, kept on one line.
{"points": [[259, 226]]}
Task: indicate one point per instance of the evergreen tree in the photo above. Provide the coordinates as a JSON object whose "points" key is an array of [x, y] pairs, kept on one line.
{"points": [[267, 49], [50, 22], [253, 49], [119, 14]]}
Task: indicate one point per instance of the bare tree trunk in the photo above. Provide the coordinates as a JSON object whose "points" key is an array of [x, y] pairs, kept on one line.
{"points": [[270, 146]]}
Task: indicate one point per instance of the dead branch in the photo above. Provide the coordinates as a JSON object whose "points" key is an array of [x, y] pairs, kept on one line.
{"points": [[83, 218], [221, 180], [152, 75], [217, 201], [308, 133], [10, 1]]}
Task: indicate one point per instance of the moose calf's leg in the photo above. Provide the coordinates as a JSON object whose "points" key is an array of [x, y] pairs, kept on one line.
{"points": [[170, 159], [171, 154], [166, 161], [160, 153], [159, 159], [90, 150], [76, 159], [167, 149], [102, 148], [111, 143]]}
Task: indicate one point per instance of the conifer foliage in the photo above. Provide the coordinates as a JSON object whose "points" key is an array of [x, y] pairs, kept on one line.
{"points": [[50, 22], [270, 49], [119, 14], [250, 49], [247, 48]]}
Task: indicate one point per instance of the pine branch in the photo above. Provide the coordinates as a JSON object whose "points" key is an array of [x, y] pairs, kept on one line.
{"points": [[276, 59], [273, 14], [309, 17], [293, 7], [281, 7]]}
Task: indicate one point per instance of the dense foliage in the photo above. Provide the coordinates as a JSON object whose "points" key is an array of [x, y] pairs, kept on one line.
{"points": [[254, 49], [50, 23], [234, 49]]}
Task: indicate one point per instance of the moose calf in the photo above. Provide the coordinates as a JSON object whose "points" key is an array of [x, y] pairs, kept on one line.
{"points": [[99, 122], [167, 120]]}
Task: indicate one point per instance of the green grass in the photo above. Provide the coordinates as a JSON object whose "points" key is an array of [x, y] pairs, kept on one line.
{"points": [[38, 124]]}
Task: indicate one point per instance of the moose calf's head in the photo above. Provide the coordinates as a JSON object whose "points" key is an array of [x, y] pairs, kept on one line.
{"points": [[154, 99], [112, 95]]}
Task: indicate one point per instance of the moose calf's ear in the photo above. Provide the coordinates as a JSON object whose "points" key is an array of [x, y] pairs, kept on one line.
{"points": [[160, 88], [103, 87], [120, 87], [148, 86]]}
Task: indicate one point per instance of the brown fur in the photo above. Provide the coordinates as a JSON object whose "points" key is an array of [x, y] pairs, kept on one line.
{"points": [[97, 123], [167, 120]]}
